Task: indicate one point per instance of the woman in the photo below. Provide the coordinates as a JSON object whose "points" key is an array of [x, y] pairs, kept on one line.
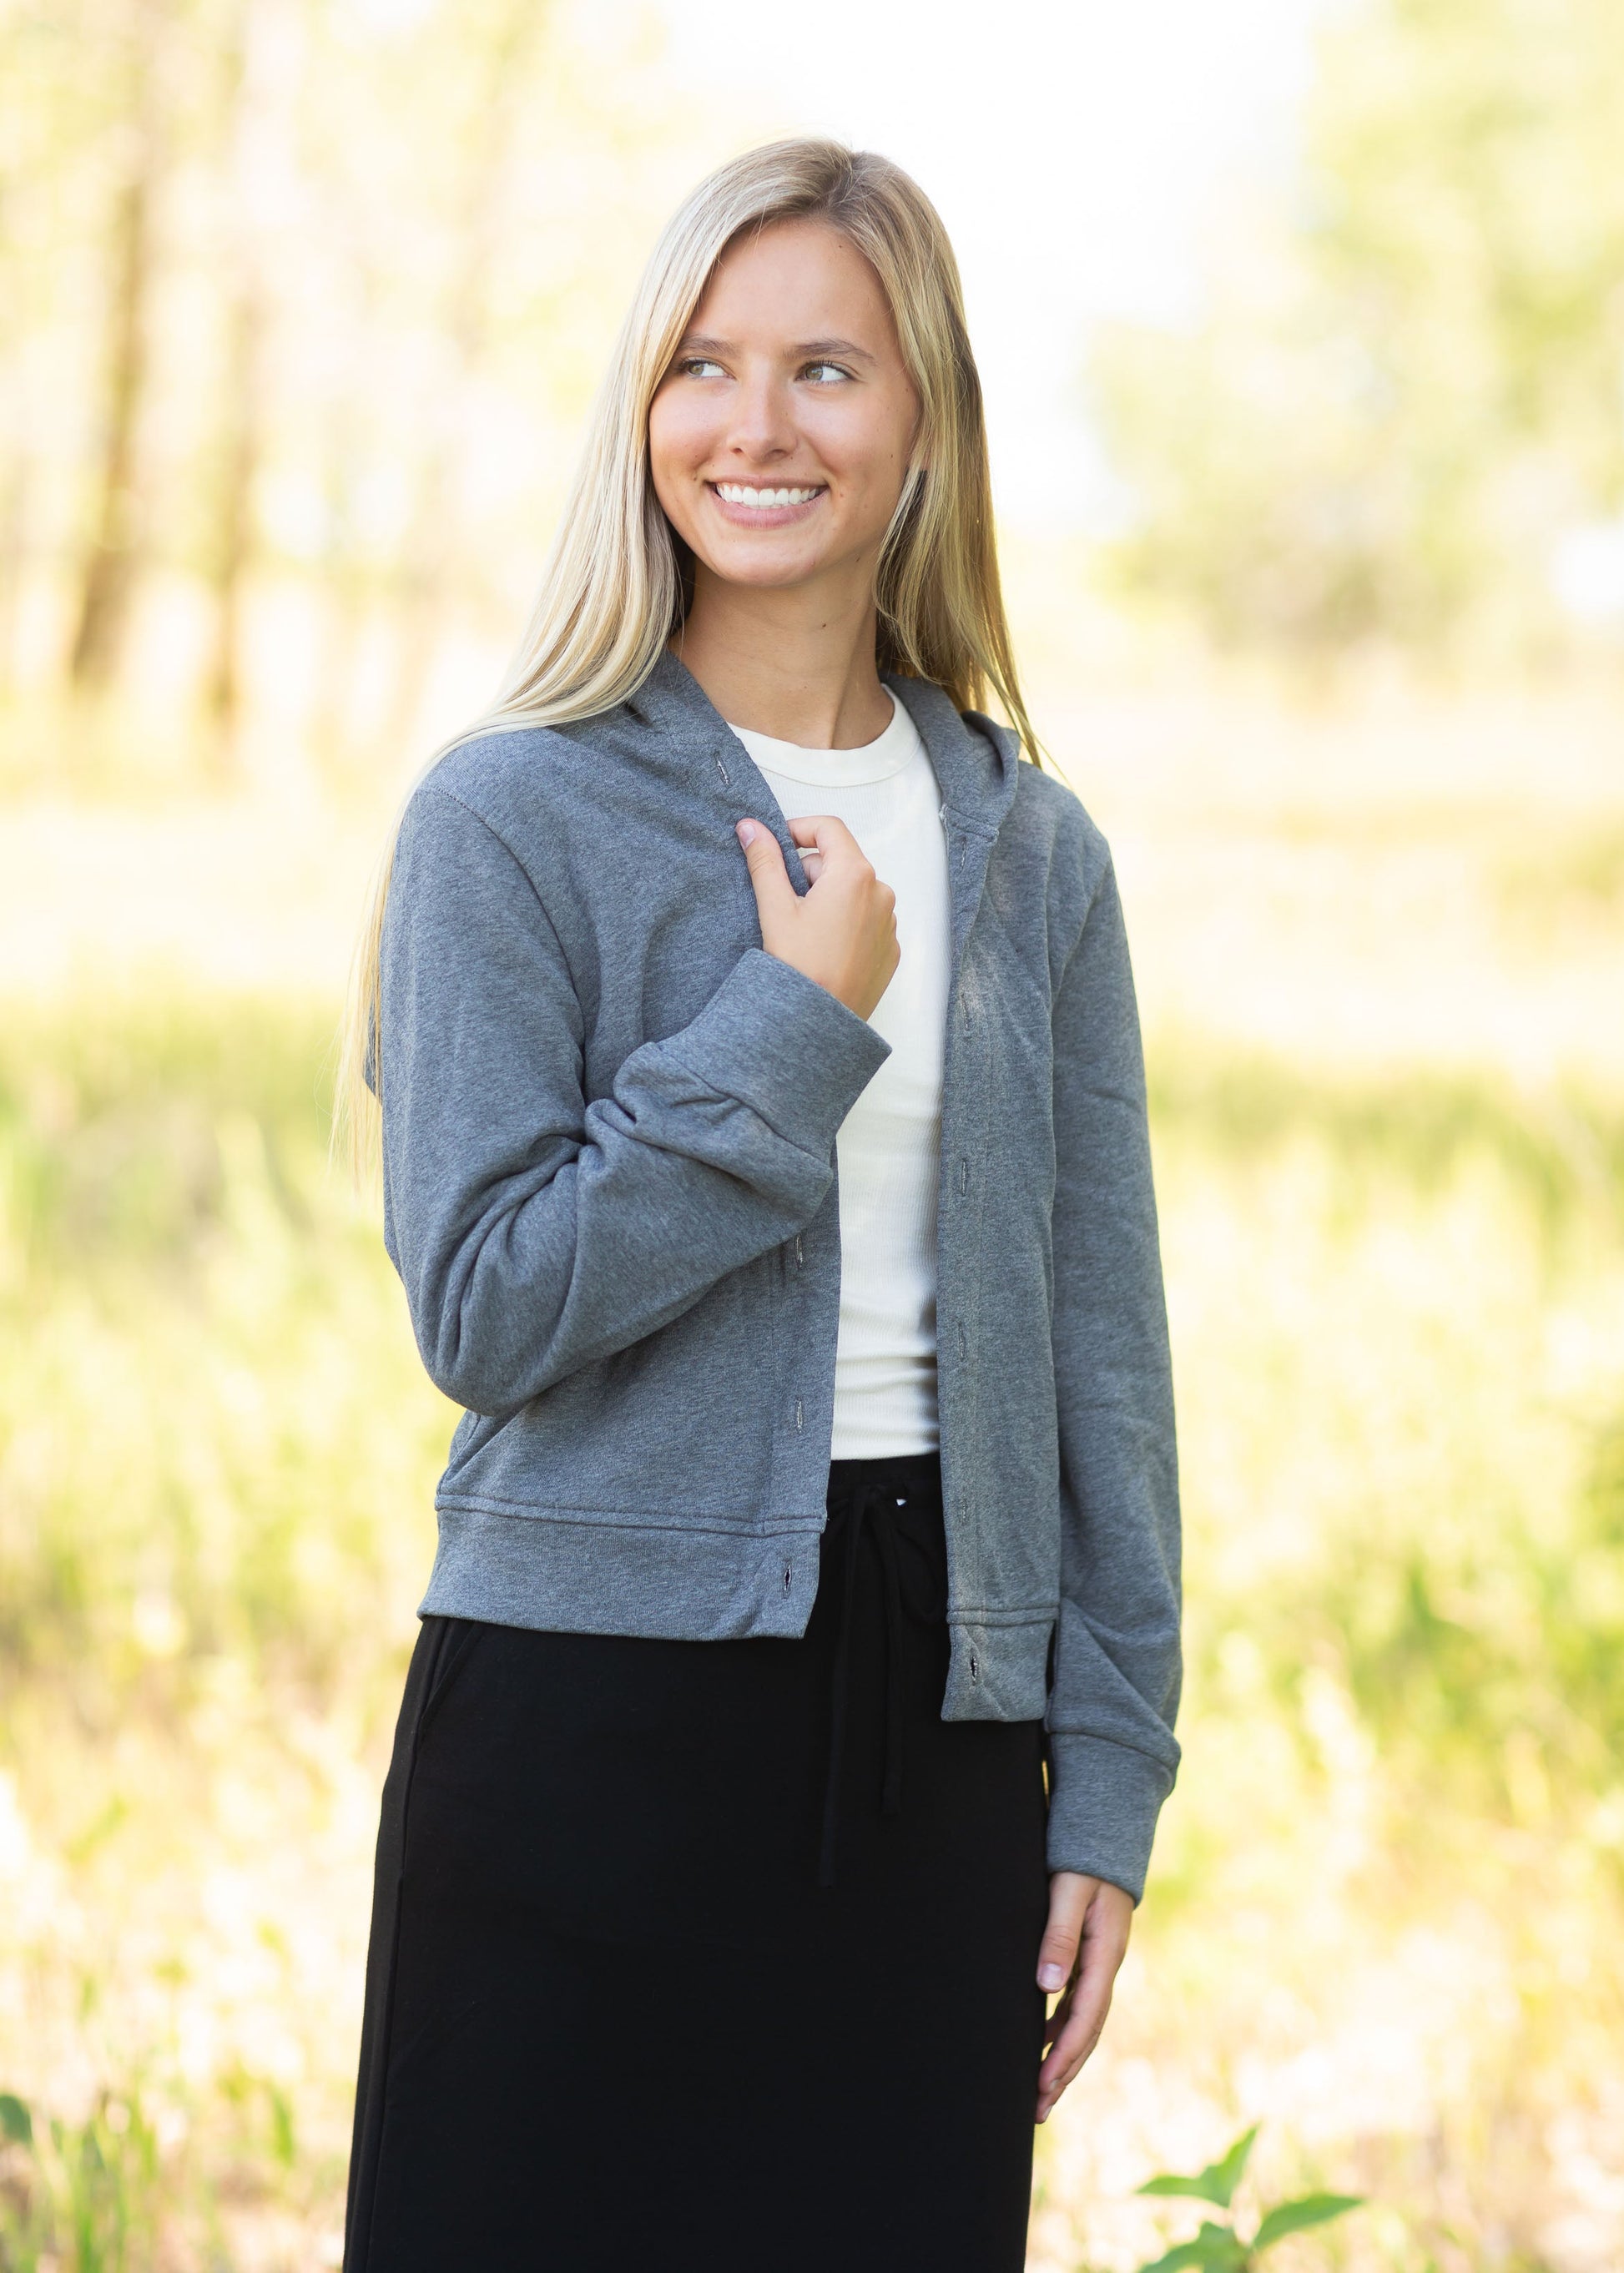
{"points": [[713, 1925]]}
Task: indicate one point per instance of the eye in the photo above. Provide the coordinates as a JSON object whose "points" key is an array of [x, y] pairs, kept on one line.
{"points": [[700, 367], [823, 374]]}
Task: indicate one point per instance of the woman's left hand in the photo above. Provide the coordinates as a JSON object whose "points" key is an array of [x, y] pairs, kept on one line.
{"points": [[1083, 1945]]}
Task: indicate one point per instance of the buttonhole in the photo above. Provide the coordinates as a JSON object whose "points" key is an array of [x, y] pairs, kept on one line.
{"points": [[721, 768]]}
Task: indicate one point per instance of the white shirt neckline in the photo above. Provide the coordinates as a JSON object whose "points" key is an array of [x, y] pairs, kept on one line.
{"points": [[874, 761]]}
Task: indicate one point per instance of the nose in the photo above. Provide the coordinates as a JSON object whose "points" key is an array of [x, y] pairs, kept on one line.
{"points": [[763, 428]]}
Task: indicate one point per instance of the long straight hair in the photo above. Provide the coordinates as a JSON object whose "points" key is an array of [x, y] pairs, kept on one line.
{"points": [[612, 591]]}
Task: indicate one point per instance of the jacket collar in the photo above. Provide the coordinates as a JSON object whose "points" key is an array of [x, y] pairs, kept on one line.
{"points": [[974, 761]]}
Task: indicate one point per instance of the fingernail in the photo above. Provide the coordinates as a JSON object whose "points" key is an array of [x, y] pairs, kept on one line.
{"points": [[746, 832], [1050, 1977]]}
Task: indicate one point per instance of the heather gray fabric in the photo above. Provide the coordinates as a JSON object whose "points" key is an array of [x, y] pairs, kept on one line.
{"points": [[609, 1130]]}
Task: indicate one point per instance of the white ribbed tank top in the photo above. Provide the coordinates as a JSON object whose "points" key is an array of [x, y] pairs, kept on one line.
{"points": [[889, 1146]]}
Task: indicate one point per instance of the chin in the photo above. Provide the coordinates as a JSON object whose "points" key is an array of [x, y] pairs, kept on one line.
{"points": [[756, 564]]}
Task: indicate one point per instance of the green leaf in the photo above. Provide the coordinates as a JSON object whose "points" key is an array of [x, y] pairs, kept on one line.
{"points": [[16, 2123], [1217, 2183], [1215, 2248], [1308, 2210]]}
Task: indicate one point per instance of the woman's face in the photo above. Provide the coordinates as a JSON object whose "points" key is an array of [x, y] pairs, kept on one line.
{"points": [[780, 436]]}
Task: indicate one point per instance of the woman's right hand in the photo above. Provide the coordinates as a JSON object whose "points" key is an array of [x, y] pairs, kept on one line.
{"points": [[842, 932]]}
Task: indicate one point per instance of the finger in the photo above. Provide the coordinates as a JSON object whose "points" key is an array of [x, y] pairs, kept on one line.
{"points": [[1082, 2020], [822, 830], [1069, 1897], [765, 862], [1075, 2026], [1081, 2015]]}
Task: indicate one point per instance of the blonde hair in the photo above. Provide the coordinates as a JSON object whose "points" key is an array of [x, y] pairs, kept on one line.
{"points": [[613, 589]]}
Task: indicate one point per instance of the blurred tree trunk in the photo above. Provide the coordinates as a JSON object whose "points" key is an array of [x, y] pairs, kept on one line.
{"points": [[13, 561], [432, 555], [346, 587], [250, 158], [231, 550], [109, 565]]}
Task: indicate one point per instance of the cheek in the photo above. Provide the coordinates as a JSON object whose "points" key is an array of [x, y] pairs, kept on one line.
{"points": [[680, 435], [868, 452]]}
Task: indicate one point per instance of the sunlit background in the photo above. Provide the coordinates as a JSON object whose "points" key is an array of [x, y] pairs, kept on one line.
{"points": [[1302, 328]]}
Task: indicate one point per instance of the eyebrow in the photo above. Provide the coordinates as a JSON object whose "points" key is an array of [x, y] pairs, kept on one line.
{"points": [[701, 343]]}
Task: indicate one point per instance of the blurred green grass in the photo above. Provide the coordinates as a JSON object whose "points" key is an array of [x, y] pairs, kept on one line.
{"points": [[217, 1437]]}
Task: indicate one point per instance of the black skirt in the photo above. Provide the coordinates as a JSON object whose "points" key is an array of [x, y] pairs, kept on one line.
{"points": [[707, 1955]]}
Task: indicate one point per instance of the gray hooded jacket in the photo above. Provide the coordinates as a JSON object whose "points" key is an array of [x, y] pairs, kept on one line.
{"points": [[609, 1150]]}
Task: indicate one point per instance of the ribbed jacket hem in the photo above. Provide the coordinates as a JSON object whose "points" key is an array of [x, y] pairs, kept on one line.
{"points": [[588, 1573]]}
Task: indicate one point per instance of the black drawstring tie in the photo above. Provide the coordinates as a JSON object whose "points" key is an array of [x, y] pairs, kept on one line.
{"points": [[871, 1512]]}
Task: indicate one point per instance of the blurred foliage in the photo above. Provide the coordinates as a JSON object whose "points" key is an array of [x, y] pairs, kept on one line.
{"points": [[214, 1430], [300, 304], [1562, 1154], [1460, 1578], [1407, 393], [122, 2190], [78, 2194]]}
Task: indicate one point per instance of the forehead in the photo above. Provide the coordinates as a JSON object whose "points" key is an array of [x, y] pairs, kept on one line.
{"points": [[796, 280]]}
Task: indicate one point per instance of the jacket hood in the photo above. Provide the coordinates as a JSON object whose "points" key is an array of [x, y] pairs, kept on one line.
{"points": [[975, 762]]}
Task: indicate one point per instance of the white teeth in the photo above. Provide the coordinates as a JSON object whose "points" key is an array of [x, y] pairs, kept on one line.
{"points": [[741, 493]]}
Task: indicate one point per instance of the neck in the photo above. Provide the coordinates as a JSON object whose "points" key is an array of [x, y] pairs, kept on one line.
{"points": [[796, 664]]}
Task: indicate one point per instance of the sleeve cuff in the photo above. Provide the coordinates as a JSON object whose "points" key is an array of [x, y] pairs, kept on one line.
{"points": [[782, 1045], [1103, 1801]]}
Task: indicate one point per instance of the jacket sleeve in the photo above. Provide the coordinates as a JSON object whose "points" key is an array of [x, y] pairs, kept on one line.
{"points": [[535, 1231], [1116, 1664]]}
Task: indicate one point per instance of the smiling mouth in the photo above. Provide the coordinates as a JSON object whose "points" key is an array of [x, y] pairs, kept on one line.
{"points": [[748, 497]]}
